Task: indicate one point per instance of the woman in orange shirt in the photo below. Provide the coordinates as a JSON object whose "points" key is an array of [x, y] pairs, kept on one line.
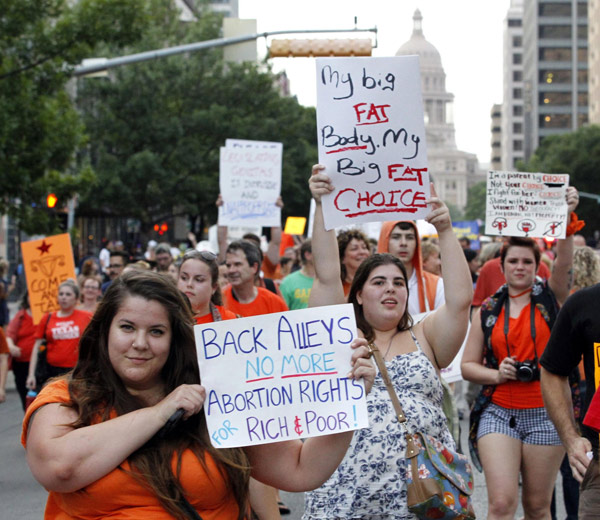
{"points": [[61, 330], [96, 438], [198, 279], [511, 432]]}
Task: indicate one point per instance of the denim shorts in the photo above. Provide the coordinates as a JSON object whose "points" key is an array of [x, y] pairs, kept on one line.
{"points": [[531, 425]]}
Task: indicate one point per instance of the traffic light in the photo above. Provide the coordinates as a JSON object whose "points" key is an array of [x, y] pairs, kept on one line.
{"points": [[51, 200], [311, 48], [161, 229]]}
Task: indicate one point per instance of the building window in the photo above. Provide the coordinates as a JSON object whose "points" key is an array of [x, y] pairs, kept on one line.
{"points": [[554, 54], [555, 121], [517, 128], [582, 76], [582, 32], [554, 31], [517, 145], [555, 98], [582, 120], [517, 75], [558, 9], [517, 93], [582, 9], [515, 22], [582, 99], [517, 41], [555, 76], [517, 110], [517, 58]]}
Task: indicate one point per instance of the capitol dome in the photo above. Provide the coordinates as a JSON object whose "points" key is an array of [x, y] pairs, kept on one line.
{"points": [[429, 57]]}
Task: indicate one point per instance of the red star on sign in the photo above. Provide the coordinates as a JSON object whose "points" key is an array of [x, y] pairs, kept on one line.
{"points": [[44, 248]]}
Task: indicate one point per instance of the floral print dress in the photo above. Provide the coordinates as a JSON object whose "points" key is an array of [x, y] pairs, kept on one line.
{"points": [[370, 483]]}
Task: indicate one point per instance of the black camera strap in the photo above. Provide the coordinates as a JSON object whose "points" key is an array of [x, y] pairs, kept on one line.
{"points": [[531, 326]]}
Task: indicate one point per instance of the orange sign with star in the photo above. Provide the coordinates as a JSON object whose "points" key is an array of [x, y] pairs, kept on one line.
{"points": [[48, 262]]}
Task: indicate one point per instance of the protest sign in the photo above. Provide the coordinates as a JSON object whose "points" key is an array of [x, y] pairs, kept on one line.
{"points": [[250, 183], [48, 262], [523, 204], [281, 376], [371, 139], [468, 229], [295, 225]]}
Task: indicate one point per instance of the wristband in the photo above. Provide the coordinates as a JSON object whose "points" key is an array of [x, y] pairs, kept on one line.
{"points": [[574, 224]]}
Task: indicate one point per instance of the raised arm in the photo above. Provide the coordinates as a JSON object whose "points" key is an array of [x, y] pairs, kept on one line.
{"points": [[561, 279], [327, 287], [272, 253], [446, 327], [222, 232]]}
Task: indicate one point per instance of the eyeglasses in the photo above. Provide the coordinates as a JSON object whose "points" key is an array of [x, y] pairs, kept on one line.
{"points": [[115, 266]]}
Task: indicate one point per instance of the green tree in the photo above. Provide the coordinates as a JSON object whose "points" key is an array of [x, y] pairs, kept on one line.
{"points": [[39, 127], [156, 128], [578, 154], [475, 208]]}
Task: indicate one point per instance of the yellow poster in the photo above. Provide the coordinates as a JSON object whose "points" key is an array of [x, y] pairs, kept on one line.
{"points": [[48, 262], [295, 225]]}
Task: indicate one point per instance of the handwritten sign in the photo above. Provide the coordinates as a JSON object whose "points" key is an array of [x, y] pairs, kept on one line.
{"points": [[280, 376], [522, 204], [250, 182], [48, 263], [371, 139]]}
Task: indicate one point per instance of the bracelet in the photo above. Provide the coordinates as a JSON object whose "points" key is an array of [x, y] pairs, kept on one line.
{"points": [[574, 224]]}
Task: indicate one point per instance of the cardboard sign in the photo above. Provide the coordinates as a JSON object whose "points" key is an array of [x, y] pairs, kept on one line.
{"points": [[48, 263], [371, 138], [295, 225], [522, 204], [281, 376], [250, 183]]}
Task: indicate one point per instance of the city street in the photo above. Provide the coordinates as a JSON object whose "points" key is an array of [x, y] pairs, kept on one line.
{"points": [[24, 499]]}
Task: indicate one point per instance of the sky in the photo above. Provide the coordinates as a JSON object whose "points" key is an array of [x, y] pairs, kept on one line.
{"points": [[467, 33]]}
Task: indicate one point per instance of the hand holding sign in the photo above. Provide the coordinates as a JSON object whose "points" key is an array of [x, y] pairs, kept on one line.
{"points": [[319, 183]]}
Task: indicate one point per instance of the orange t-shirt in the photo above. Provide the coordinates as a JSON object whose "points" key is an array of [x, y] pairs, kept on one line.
{"points": [[62, 337], [265, 303], [117, 495], [519, 394], [226, 314]]}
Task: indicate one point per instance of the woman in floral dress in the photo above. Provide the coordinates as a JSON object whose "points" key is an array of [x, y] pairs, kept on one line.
{"points": [[370, 483]]}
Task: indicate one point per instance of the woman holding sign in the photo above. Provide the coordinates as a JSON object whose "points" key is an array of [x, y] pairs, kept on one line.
{"points": [[510, 431], [106, 441], [371, 480]]}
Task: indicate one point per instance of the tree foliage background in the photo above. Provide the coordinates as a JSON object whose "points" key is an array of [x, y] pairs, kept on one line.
{"points": [[39, 126], [155, 128]]}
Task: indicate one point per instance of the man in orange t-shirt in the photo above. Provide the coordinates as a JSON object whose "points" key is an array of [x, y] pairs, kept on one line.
{"points": [[241, 296]]}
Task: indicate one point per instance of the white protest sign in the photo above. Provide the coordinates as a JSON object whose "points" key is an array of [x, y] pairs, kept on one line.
{"points": [[371, 138], [523, 204], [250, 183], [281, 376]]}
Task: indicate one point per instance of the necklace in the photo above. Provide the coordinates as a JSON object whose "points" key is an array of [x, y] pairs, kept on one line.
{"points": [[521, 293], [389, 344]]}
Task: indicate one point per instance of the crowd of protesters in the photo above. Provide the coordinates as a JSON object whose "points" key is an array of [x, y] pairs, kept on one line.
{"points": [[512, 290]]}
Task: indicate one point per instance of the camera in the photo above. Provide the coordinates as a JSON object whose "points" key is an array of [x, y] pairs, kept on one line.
{"points": [[527, 370]]}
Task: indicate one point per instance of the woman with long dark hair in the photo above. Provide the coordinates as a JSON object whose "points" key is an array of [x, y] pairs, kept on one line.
{"points": [[371, 480], [92, 438]]}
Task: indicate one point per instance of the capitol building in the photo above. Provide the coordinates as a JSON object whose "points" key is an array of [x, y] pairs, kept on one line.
{"points": [[453, 171]]}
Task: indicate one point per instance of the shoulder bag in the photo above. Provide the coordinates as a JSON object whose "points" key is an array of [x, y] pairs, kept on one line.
{"points": [[440, 480]]}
